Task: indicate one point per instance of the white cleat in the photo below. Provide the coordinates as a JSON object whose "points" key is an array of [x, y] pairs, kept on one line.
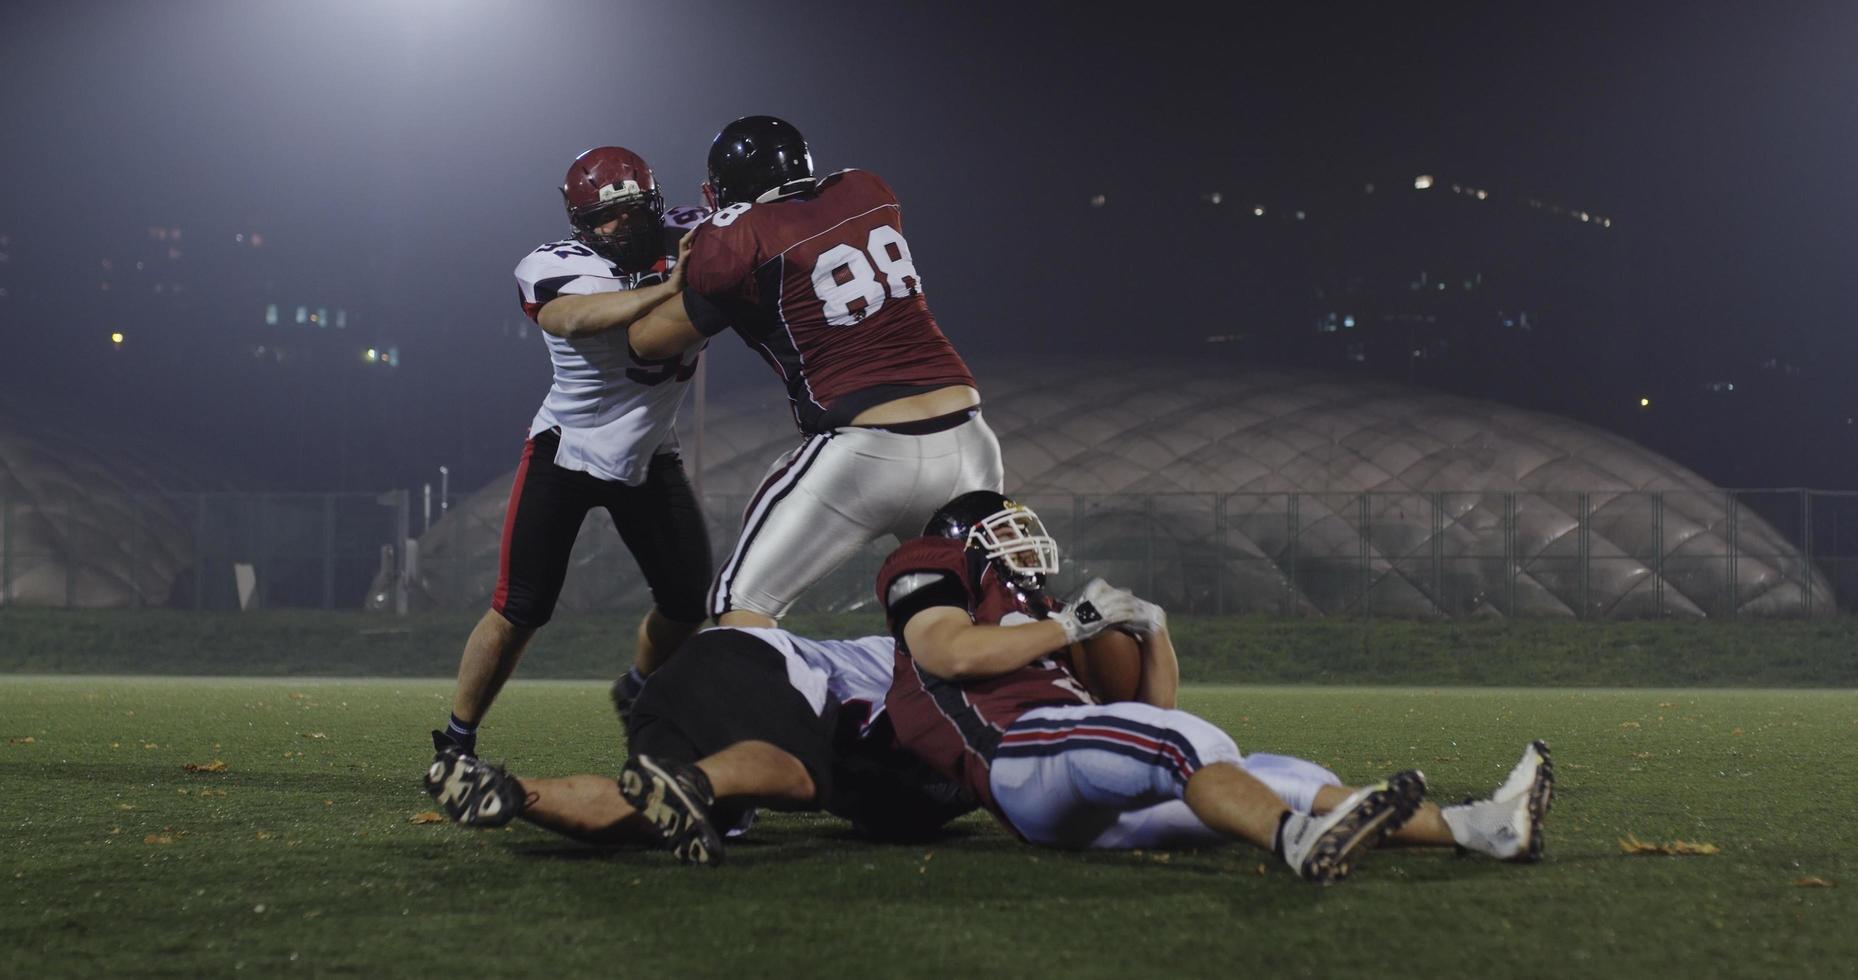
{"points": [[1508, 825]]}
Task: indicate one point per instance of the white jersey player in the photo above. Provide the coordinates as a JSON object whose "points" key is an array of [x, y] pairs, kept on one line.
{"points": [[603, 436]]}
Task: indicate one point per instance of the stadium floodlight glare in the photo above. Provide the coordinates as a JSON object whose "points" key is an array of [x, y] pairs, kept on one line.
{"points": [[1422, 182], [1645, 402], [117, 338]]}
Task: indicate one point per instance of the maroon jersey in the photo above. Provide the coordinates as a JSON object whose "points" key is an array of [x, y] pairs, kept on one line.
{"points": [[955, 726], [823, 286]]}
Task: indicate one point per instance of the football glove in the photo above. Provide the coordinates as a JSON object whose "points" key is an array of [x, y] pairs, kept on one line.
{"points": [[1099, 606]]}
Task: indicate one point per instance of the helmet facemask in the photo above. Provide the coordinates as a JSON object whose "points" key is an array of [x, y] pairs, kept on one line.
{"points": [[637, 243], [1016, 539]]}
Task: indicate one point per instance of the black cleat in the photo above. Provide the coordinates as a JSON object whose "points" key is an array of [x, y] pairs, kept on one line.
{"points": [[625, 692], [470, 791], [1324, 849], [677, 803]]}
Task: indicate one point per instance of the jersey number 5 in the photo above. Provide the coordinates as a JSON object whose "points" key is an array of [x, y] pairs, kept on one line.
{"points": [[851, 289]]}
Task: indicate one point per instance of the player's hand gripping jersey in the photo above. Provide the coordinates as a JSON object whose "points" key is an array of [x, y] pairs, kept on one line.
{"points": [[822, 284], [956, 727], [614, 409]]}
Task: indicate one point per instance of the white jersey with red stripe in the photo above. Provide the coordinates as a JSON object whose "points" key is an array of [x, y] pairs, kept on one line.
{"points": [[615, 410], [848, 671]]}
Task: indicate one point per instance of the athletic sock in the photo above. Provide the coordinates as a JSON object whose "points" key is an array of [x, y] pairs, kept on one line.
{"points": [[463, 733], [632, 683], [1277, 842]]}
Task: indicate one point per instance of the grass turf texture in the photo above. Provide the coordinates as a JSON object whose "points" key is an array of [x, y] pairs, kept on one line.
{"points": [[299, 856], [1231, 650]]}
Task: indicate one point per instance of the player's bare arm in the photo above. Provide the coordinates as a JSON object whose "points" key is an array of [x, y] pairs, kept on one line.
{"points": [[1161, 671], [665, 331], [580, 316], [948, 643]]}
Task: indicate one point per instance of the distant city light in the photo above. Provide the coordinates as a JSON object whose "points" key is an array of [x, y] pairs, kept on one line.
{"points": [[371, 355], [117, 338], [1258, 212], [1422, 182], [1645, 402], [1213, 197], [1482, 194]]}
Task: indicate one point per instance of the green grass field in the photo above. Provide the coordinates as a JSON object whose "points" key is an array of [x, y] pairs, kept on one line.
{"points": [[299, 857]]}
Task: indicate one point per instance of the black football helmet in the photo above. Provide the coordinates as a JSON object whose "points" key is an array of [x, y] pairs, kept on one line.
{"points": [[608, 183], [758, 158], [999, 530]]}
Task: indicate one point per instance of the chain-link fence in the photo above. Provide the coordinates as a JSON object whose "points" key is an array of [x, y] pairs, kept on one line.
{"points": [[1595, 555], [204, 550]]}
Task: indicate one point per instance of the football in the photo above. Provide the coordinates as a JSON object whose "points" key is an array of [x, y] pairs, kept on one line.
{"points": [[1109, 665]]}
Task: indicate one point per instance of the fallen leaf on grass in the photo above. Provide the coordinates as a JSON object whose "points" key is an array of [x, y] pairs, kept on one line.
{"points": [[217, 765], [428, 816], [28, 740], [1632, 845], [158, 839], [1813, 882]]}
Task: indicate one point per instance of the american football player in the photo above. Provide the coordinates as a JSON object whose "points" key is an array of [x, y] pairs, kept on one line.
{"points": [[603, 435], [738, 717], [816, 276], [980, 693]]}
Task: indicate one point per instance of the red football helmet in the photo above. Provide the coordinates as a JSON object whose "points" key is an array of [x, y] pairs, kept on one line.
{"points": [[608, 183]]}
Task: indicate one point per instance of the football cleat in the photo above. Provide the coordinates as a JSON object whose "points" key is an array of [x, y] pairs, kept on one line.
{"points": [[1323, 848], [470, 791], [625, 692], [677, 804], [1508, 825]]}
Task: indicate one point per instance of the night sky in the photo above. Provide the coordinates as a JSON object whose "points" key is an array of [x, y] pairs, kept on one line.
{"points": [[406, 153]]}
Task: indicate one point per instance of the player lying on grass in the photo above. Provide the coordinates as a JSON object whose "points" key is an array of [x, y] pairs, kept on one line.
{"points": [[982, 693], [739, 718]]}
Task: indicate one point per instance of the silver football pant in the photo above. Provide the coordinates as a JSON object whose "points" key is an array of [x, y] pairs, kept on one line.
{"points": [[840, 490]]}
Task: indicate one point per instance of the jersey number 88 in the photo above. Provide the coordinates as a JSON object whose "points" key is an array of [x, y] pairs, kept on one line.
{"points": [[845, 280]]}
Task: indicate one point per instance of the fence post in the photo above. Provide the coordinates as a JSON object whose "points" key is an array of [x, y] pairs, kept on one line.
{"points": [[1583, 546], [1438, 552], [199, 551], [1296, 545], [1658, 552], [1510, 558], [6, 545], [1806, 553], [263, 563], [135, 551], [1735, 601], [71, 555], [1367, 575], [328, 551], [1219, 553]]}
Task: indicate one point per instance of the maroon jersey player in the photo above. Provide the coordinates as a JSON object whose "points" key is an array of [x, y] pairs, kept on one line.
{"points": [[979, 693], [817, 277]]}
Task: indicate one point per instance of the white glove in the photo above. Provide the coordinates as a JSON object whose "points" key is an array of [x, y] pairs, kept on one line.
{"points": [[1150, 619], [1099, 606]]}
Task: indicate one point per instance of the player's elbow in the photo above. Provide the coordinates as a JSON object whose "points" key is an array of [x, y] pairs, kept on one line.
{"points": [[558, 322]]}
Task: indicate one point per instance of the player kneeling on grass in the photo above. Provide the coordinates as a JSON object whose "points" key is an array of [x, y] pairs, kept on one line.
{"points": [[740, 718], [985, 693]]}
